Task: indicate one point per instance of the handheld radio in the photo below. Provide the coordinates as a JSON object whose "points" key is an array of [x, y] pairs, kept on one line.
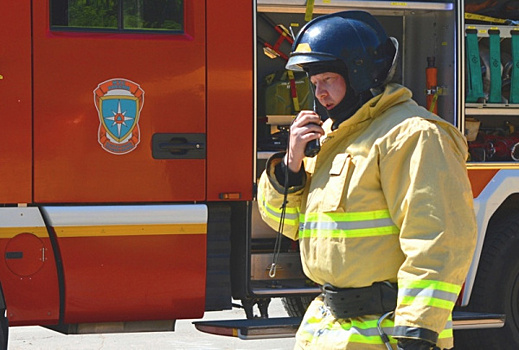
{"points": [[313, 147]]}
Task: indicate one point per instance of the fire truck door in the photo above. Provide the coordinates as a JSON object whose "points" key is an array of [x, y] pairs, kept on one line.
{"points": [[15, 108], [119, 101]]}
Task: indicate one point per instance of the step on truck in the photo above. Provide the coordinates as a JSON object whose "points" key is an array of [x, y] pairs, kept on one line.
{"points": [[134, 133]]}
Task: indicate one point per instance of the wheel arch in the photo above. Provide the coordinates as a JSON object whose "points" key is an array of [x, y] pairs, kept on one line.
{"points": [[496, 202]]}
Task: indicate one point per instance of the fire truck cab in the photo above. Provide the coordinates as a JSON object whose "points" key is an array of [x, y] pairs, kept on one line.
{"points": [[135, 132]]}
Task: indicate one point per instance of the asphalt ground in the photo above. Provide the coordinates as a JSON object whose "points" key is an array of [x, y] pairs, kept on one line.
{"points": [[185, 337]]}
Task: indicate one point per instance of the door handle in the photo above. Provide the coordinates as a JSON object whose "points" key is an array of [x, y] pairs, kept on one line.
{"points": [[178, 146]]}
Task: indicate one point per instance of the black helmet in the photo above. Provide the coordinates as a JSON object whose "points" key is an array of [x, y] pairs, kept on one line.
{"points": [[353, 37]]}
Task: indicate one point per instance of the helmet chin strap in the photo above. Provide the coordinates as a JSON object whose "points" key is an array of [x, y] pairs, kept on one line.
{"points": [[352, 101], [348, 106]]}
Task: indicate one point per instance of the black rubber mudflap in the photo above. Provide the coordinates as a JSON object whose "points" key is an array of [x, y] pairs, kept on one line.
{"points": [[218, 286]]}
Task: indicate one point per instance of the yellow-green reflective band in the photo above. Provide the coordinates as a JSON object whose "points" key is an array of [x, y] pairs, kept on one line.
{"points": [[373, 339], [347, 225], [313, 320], [372, 324], [349, 233], [351, 338], [291, 214], [352, 331], [426, 292], [442, 304], [445, 334], [355, 216], [430, 284]]}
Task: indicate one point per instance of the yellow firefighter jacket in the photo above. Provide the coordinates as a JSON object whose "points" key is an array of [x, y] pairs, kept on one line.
{"points": [[386, 199]]}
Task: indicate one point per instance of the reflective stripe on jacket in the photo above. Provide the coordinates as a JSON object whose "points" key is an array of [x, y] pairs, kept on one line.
{"points": [[319, 330], [386, 199]]}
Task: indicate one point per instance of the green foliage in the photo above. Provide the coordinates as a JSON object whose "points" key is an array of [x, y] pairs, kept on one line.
{"points": [[137, 14], [93, 13]]}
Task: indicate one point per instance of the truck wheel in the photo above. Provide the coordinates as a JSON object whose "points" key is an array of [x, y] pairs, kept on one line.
{"points": [[4, 323], [496, 290], [296, 306], [4, 331]]}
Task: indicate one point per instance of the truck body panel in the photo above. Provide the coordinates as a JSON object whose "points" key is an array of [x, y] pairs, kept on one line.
{"points": [[16, 82], [64, 93], [134, 145], [29, 271], [103, 249]]}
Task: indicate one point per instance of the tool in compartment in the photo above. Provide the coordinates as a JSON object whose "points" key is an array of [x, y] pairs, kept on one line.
{"points": [[514, 81], [495, 95], [431, 73], [482, 18], [494, 144], [502, 147], [293, 90], [274, 51], [286, 93], [475, 80]]}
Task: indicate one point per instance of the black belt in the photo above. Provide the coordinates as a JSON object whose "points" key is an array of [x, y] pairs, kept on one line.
{"points": [[377, 299]]}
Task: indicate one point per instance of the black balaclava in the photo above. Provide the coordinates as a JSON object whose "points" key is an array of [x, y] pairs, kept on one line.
{"points": [[351, 101]]}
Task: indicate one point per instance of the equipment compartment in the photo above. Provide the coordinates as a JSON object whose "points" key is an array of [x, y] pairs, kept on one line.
{"points": [[277, 23], [492, 92]]}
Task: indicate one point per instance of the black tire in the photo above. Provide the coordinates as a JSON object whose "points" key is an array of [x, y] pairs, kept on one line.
{"points": [[496, 290], [296, 306], [4, 323], [4, 332]]}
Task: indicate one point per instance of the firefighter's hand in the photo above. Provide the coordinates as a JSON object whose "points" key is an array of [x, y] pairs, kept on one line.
{"points": [[306, 127], [414, 344]]}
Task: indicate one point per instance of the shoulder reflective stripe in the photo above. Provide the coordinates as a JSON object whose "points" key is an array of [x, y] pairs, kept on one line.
{"points": [[431, 293], [358, 224]]}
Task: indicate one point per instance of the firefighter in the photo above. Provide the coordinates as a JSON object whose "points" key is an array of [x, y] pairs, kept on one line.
{"points": [[383, 213]]}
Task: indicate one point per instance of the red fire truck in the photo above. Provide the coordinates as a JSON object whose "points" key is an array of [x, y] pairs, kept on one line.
{"points": [[134, 133]]}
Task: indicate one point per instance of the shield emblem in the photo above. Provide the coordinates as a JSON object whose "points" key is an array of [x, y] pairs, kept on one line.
{"points": [[118, 103]]}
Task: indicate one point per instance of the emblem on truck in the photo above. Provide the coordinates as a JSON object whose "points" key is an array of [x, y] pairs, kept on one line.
{"points": [[119, 103]]}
